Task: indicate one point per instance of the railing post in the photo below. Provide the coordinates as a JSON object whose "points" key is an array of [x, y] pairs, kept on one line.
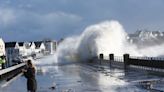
{"points": [[126, 61], [101, 58], [111, 59]]}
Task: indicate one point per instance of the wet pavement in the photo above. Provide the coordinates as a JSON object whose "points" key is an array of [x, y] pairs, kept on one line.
{"points": [[76, 77]]}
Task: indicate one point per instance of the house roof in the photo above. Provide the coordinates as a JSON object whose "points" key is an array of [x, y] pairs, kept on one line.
{"points": [[10, 44], [38, 44], [31, 44], [27, 45], [21, 43]]}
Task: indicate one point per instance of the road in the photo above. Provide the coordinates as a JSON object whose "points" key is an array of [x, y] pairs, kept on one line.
{"points": [[77, 77]]}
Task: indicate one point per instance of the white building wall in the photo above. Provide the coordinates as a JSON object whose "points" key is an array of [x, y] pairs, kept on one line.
{"points": [[50, 46], [42, 47], [2, 47], [22, 51], [32, 47]]}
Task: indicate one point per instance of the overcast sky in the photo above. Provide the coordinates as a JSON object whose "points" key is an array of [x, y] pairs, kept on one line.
{"points": [[22, 20]]}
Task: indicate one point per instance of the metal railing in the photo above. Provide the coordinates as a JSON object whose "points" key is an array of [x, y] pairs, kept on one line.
{"points": [[150, 63], [3, 71]]}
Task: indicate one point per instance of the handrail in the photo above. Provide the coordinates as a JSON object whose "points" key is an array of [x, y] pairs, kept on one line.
{"points": [[3, 71]]}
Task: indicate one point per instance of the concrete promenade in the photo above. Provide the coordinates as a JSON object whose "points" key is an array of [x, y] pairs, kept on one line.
{"points": [[83, 78]]}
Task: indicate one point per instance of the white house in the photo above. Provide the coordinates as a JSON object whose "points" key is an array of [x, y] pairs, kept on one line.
{"points": [[39, 47], [32, 47], [2, 47], [27, 48], [12, 52], [2, 50], [22, 49]]}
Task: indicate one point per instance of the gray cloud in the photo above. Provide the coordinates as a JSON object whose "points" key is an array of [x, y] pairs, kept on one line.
{"points": [[60, 18], [29, 24]]}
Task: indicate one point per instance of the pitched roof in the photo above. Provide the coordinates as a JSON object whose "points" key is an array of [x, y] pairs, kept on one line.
{"points": [[31, 44], [10, 44], [38, 44], [21, 43], [27, 45]]}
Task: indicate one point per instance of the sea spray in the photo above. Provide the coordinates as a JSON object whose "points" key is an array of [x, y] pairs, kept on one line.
{"points": [[153, 51], [106, 37], [67, 50]]}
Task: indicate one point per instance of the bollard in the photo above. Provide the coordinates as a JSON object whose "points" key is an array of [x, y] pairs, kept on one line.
{"points": [[101, 58], [111, 59], [126, 61]]}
